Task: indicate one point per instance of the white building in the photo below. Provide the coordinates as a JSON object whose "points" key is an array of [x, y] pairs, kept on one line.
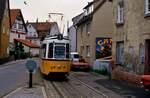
{"points": [[18, 28], [73, 32], [18, 35]]}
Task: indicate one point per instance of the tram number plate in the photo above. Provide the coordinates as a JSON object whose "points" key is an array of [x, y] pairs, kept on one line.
{"points": [[58, 66]]}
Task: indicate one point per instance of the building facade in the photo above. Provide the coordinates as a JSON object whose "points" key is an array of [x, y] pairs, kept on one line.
{"points": [[131, 37], [101, 30], [39, 30], [73, 32], [18, 28], [83, 32], [4, 29], [95, 26]]}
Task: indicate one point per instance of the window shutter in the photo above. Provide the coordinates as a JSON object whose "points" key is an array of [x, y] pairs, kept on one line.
{"points": [[121, 15], [118, 14]]}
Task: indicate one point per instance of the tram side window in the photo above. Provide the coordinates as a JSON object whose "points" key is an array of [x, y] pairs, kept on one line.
{"points": [[43, 50], [67, 50], [50, 51]]}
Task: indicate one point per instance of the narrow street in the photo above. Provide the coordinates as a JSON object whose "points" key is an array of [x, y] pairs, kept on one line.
{"points": [[12, 76], [77, 85], [91, 85]]}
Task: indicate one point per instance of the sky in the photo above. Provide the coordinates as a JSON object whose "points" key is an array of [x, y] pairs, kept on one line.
{"points": [[34, 9]]}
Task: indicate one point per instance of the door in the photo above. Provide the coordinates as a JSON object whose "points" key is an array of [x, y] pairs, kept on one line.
{"points": [[120, 52], [147, 57]]}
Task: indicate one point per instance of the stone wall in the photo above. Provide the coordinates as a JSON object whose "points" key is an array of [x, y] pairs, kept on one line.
{"points": [[119, 73]]}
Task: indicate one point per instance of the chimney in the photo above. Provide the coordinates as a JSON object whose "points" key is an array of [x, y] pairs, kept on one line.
{"points": [[37, 20]]}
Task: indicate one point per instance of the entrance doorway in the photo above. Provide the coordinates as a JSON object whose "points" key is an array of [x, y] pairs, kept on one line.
{"points": [[147, 56]]}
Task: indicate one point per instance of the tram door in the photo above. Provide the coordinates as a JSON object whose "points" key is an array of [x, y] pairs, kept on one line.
{"points": [[147, 57]]}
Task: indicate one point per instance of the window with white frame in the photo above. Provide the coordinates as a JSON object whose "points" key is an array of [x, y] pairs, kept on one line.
{"points": [[147, 6], [88, 26], [120, 12]]}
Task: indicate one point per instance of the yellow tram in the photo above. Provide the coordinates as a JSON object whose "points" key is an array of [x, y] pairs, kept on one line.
{"points": [[55, 55]]}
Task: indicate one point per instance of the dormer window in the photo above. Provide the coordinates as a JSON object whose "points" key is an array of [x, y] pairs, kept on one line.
{"points": [[120, 13], [89, 10], [147, 7], [29, 26]]}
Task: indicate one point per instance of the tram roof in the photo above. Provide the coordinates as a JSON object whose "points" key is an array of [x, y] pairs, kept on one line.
{"points": [[56, 40]]}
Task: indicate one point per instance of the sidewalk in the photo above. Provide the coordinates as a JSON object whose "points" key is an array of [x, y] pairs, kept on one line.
{"points": [[12, 62], [25, 92], [37, 90], [123, 88]]}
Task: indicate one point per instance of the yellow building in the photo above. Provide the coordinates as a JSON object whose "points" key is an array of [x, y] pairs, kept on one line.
{"points": [[4, 29]]}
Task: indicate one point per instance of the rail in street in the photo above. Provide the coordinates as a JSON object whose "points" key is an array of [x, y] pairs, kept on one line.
{"points": [[71, 88]]}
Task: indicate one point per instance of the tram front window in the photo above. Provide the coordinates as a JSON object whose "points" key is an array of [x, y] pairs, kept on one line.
{"points": [[59, 52]]}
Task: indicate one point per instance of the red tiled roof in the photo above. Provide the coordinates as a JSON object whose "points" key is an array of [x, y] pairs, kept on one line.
{"points": [[13, 14], [42, 26], [27, 43]]}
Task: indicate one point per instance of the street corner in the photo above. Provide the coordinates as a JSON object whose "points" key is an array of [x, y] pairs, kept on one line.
{"points": [[26, 92]]}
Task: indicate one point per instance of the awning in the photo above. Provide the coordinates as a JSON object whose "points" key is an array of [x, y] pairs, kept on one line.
{"points": [[27, 43]]}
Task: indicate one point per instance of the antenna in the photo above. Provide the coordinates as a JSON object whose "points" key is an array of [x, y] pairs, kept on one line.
{"points": [[52, 15]]}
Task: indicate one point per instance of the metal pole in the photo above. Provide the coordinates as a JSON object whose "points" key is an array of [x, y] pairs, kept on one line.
{"points": [[30, 79]]}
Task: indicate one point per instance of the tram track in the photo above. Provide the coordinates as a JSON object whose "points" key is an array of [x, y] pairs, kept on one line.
{"points": [[52, 90], [89, 87], [73, 88]]}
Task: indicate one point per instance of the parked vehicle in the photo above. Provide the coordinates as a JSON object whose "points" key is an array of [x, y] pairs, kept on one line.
{"points": [[145, 82], [74, 56], [78, 63]]}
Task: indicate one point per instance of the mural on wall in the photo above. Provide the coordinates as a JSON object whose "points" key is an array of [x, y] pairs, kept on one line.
{"points": [[103, 47]]}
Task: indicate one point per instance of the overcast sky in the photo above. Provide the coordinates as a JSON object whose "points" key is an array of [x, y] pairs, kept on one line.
{"points": [[34, 9]]}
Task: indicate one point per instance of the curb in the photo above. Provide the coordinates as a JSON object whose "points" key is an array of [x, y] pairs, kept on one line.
{"points": [[11, 62], [19, 88], [12, 92]]}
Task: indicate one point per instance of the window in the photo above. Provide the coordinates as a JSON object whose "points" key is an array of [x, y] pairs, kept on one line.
{"points": [[120, 12], [88, 10], [147, 6], [18, 35], [59, 52], [120, 52], [4, 29], [43, 51], [67, 50], [142, 53], [81, 50], [88, 25], [15, 25], [50, 51], [88, 51], [29, 26], [81, 30], [20, 26]]}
